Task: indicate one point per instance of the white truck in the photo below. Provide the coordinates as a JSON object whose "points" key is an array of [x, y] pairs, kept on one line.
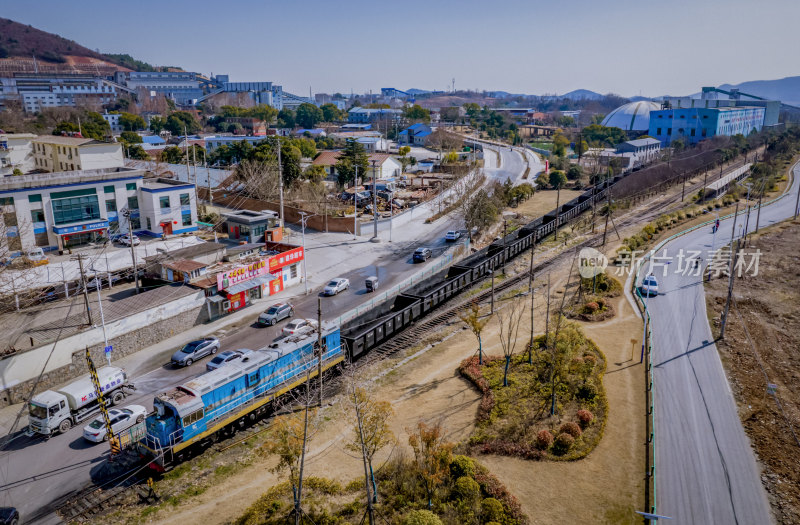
{"points": [[56, 411]]}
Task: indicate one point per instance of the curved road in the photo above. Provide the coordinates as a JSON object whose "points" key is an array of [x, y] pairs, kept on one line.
{"points": [[706, 471]]}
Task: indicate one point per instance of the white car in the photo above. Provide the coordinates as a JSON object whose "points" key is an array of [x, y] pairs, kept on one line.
{"points": [[649, 285], [228, 356], [128, 239], [121, 419], [300, 326], [337, 285], [452, 235]]}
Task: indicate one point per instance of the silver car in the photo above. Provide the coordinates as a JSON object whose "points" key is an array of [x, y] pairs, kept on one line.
{"points": [[276, 312], [194, 351], [337, 285], [121, 419], [228, 356], [300, 326]]}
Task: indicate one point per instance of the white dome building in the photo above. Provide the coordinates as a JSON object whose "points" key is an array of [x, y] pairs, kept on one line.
{"points": [[633, 116]]}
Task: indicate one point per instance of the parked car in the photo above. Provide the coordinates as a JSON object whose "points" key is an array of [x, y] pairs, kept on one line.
{"points": [[452, 235], [300, 326], [228, 356], [37, 256], [127, 239], [195, 350], [649, 285], [422, 254], [337, 285], [121, 419], [276, 312], [9, 516]]}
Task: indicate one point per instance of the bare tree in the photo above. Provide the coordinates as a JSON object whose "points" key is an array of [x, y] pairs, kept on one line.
{"points": [[509, 320], [260, 178], [371, 433], [472, 319]]}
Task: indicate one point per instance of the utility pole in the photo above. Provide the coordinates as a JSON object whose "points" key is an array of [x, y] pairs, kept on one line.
{"points": [[730, 289], [280, 185], [320, 347], [797, 203], [375, 202], [608, 214], [303, 219], [127, 214], [85, 290], [683, 190], [547, 317], [705, 179], [492, 306], [355, 204]]}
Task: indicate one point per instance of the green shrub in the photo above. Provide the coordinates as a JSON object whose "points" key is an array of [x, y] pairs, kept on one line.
{"points": [[562, 444], [466, 489], [422, 517], [462, 466], [492, 510]]}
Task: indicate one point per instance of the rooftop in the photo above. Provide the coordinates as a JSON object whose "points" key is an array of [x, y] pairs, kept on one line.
{"points": [[642, 142], [160, 184], [250, 216], [66, 141], [37, 180], [329, 158], [185, 265], [189, 252]]}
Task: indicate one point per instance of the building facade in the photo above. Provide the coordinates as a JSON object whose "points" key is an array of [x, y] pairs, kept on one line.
{"points": [[182, 87], [416, 134], [55, 211], [646, 150], [695, 124], [366, 115], [16, 153], [39, 91], [56, 153]]}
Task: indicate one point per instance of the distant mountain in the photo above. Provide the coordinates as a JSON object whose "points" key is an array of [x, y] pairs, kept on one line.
{"points": [[786, 90], [582, 94]]}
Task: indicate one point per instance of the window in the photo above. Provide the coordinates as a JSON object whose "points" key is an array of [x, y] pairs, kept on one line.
{"points": [[37, 215], [133, 203], [6, 201], [658, 131], [111, 205], [136, 223], [76, 209], [35, 197], [669, 131], [10, 219], [41, 239], [131, 186], [184, 199], [693, 132], [194, 417], [108, 189], [187, 220], [149, 224], [163, 202], [293, 271], [14, 242]]}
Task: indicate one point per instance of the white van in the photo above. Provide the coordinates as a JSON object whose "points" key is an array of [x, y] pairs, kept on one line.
{"points": [[36, 254]]}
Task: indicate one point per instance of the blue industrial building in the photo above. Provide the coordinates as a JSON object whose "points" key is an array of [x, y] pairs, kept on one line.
{"points": [[695, 124]]}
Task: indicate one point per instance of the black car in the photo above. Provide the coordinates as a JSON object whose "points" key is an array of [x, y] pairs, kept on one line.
{"points": [[422, 254], [8, 516]]}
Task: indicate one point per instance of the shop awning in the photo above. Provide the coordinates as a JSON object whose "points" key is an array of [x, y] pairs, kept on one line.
{"points": [[250, 283], [216, 299]]}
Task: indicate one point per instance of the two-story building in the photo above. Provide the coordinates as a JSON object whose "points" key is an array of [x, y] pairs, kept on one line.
{"points": [[60, 210], [646, 150], [416, 134], [56, 153], [384, 165], [366, 115]]}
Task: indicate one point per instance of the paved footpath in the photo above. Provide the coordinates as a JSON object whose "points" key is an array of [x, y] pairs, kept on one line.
{"points": [[706, 470]]}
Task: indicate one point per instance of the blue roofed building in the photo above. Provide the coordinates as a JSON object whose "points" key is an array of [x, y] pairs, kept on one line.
{"points": [[366, 115], [153, 140], [416, 134]]}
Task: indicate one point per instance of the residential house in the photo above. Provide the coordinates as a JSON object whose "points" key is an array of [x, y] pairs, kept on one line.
{"points": [[417, 135], [384, 164], [373, 144], [16, 153], [646, 150], [56, 153]]}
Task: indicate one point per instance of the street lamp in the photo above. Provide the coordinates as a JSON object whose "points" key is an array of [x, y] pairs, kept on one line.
{"points": [[303, 219]]}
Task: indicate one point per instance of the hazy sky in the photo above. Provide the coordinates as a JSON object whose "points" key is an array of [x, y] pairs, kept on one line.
{"points": [[628, 47]]}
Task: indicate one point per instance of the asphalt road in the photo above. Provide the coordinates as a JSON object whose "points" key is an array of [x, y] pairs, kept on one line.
{"points": [[35, 472], [706, 470]]}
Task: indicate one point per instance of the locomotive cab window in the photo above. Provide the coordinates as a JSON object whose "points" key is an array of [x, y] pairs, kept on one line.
{"points": [[252, 379], [193, 418]]}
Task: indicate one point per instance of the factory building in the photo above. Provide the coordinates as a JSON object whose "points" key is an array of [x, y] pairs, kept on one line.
{"points": [[695, 124]]}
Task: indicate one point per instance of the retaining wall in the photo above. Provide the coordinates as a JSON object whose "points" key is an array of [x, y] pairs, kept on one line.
{"points": [[65, 359]]}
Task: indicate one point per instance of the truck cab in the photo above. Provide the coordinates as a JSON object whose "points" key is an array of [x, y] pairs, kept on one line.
{"points": [[47, 412]]}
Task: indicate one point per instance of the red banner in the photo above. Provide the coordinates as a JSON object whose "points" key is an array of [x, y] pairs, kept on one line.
{"points": [[277, 262]]}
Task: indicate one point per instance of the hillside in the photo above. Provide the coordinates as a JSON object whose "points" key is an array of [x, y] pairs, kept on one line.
{"points": [[23, 48], [786, 90]]}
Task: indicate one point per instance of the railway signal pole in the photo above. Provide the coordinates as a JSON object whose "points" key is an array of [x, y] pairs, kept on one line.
{"points": [[112, 440]]}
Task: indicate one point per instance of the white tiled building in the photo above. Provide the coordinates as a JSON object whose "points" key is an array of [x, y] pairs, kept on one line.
{"points": [[16, 153], [65, 209]]}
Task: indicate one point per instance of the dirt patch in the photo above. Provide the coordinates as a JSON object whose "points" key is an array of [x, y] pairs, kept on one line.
{"points": [[544, 201], [762, 347]]}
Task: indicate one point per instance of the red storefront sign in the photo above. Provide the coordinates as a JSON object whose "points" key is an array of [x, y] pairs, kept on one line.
{"points": [[293, 256], [237, 300], [241, 273], [276, 285]]}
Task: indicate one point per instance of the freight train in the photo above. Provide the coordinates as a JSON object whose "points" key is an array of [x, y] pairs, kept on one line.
{"points": [[231, 396]]}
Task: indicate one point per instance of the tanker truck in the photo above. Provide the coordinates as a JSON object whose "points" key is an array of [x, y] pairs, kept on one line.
{"points": [[54, 411]]}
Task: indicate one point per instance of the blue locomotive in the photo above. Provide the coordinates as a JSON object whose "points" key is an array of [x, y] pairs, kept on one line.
{"points": [[196, 410]]}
